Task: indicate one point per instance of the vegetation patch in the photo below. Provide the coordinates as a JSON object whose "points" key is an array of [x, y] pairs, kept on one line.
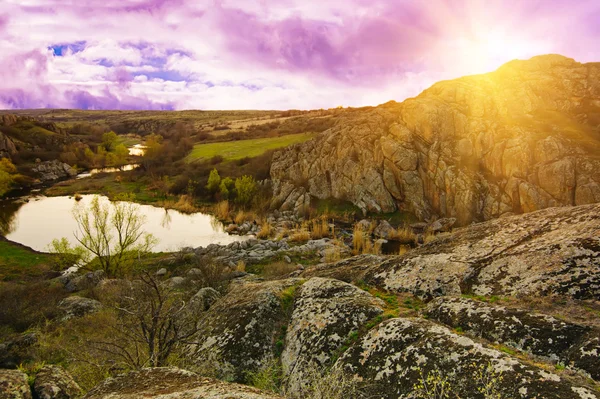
{"points": [[18, 262], [234, 150]]}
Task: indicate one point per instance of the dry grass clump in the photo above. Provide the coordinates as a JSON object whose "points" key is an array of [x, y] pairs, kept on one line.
{"points": [[184, 204], [362, 244], [278, 269], [266, 230], [244, 216], [221, 210], [428, 237], [319, 228], [403, 249], [334, 254], [301, 234], [404, 235], [241, 266]]}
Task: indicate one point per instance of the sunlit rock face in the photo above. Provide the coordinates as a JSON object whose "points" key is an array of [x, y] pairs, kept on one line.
{"points": [[522, 138]]}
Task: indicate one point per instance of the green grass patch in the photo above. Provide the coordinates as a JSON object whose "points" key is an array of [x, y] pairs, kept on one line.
{"points": [[21, 263], [232, 150]]}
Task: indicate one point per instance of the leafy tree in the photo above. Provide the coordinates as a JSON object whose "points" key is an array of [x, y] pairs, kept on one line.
{"points": [[7, 175], [154, 151], [226, 187], [214, 180], [67, 255], [113, 233], [121, 153], [245, 188], [109, 141]]}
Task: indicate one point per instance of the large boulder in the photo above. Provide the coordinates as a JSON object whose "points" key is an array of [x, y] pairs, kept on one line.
{"points": [[16, 350], [172, 383], [7, 147], [400, 353], [14, 385], [538, 334], [239, 331], [552, 251], [326, 313], [53, 382], [519, 139], [77, 306], [53, 170]]}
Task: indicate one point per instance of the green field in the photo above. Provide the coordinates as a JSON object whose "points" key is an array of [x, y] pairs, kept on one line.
{"points": [[18, 262], [232, 150]]}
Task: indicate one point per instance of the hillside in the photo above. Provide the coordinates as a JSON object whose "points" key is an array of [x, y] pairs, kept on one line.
{"points": [[519, 139]]}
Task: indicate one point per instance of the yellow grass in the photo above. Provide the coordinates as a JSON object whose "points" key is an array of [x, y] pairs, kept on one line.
{"points": [[241, 266], [302, 234], [244, 216], [184, 204], [222, 210], [266, 230], [319, 228], [404, 235]]}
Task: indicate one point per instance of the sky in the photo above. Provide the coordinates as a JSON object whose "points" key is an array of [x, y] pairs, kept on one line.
{"points": [[269, 54]]}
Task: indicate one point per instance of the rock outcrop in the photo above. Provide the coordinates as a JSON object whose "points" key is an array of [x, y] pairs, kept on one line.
{"points": [[394, 356], [77, 306], [53, 382], [13, 385], [519, 139], [326, 313], [7, 146], [172, 383], [552, 251], [542, 335], [239, 331], [53, 170]]}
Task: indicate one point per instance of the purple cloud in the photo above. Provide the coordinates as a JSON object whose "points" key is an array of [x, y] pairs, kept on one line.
{"points": [[269, 54]]}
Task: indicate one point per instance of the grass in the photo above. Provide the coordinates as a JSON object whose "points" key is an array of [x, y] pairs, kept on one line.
{"points": [[18, 262], [233, 150]]}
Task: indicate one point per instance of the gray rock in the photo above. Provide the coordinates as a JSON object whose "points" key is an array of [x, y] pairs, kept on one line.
{"points": [[161, 272], [384, 230], [13, 385], [539, 334], [325, 313], [204, 298], [287, 259], [177, 282], [75, 282], [442, 225], [391, 357], [16, 350], [53, 382], [53, 170], [172, 383], [77, 306]]}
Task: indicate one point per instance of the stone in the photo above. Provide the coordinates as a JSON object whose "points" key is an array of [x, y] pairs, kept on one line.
{"points": [[239, 330], [14, 385], [53, 382], [384, 230], [442, 225], [538, 334], [392, 357], [204, 298], [77, 306], [326, 313], [161, 272], [16, 350], [53, 170], [77, 282], [472, 149], [172, 383]]}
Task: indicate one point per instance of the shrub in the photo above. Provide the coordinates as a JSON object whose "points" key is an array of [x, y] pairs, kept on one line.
{"points": [[214, 181], [226, 187], [222, 210], [266, 230], [245, 188]]}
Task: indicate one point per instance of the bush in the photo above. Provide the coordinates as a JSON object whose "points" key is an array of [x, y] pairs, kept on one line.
{"points": [[214, 181], [245, 188]]}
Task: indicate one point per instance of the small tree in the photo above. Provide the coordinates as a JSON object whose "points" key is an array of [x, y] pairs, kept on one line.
{"points": [[112, 232], [226, 187], [245, 188], [109, 141], [214, 181], [67, 255], [121, 153], [7, 178]]}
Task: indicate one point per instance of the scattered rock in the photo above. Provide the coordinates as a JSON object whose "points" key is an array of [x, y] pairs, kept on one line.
{"points": [[204, 298], [442, 225], [384, 230], [161, 272], [53, 382], [172, 383], [16, 350], [53, 170], [77, 282]]}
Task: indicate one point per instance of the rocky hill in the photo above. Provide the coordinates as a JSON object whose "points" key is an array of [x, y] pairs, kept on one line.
{"points": [[522, 138]]}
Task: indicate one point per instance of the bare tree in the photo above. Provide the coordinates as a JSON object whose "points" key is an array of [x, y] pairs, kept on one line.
{"points": [[153, 320]]}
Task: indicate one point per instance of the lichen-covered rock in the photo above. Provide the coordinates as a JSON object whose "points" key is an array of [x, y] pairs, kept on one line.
{"points": [[77, 306], [17, 350], [77, 282], [53, 170], [204, 299], [13, 385], [326, 312], [515, 140], [53, 382], [7, 146], [172, 383], [552, 251], [394, 356], [535, 333], [240, 330]]}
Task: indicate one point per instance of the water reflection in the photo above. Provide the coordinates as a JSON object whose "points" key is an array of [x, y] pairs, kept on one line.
{"points": [[43, 219], [123, 168]]}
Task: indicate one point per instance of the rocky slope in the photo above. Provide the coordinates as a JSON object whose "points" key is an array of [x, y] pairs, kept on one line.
{"points": [[522, 138]]}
